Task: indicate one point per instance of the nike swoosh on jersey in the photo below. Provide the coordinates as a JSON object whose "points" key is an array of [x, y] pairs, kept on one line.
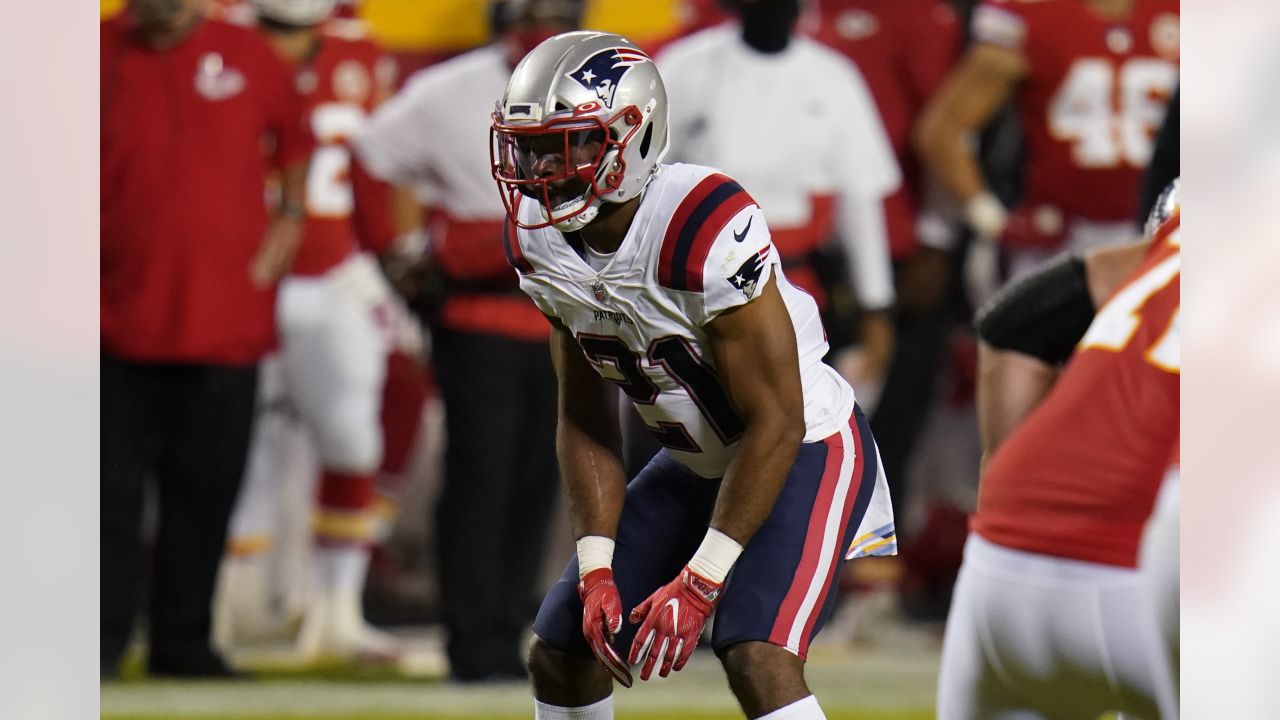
{"points": [[740, 236]]}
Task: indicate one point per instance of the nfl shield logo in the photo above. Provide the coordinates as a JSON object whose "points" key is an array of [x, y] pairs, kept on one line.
{"points": [[597, 287]]}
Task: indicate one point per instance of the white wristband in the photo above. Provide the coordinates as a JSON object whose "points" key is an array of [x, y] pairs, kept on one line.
{"points": [[594, 552], [716, 556], [413, 243], [986, 215]]}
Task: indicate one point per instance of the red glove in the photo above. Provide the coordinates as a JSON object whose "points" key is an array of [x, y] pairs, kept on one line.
{"points": [[673, 619], [602, 619]]}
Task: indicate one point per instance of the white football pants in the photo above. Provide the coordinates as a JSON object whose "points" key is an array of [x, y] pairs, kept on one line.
{"points": [[1159, 561], [334, 339], [1033, 636]]}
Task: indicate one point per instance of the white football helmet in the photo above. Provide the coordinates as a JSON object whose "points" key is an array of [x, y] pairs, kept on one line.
{"points": [[583, 121], [300, 13]]}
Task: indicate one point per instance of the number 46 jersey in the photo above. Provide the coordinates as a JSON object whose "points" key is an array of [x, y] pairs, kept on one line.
{"points": [[698, 246], [1093, 97]]}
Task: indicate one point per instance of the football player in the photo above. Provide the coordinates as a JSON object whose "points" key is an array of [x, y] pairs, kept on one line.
{"points": [[1051, 616], [1091, 80], [663, 281], [337, 319]]}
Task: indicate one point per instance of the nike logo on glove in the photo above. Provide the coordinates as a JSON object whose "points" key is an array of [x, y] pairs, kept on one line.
{"points": [[740, 236]]}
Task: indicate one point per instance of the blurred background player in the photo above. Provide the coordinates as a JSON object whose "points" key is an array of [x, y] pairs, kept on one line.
{"points": [[489, 342], [815, 155], [337, 317], [904, 49], [1090, 79], [1160, 559], [190, 264], [1051, 616]]}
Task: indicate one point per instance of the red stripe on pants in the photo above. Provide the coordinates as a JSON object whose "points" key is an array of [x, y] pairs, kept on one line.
{"points": [[850, 499], [809, 557], [345, 492]]}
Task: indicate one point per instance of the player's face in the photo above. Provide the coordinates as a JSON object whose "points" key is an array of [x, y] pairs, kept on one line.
{"points": [[537, 21], [167, 16], [566, 159]]}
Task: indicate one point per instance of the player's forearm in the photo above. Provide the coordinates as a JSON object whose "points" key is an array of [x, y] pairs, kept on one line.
{"points": [[293, 190], [948, 150], [1010, 385], [867, 249], [594, 480], [406, 211], [876, 335], [756, 474]]}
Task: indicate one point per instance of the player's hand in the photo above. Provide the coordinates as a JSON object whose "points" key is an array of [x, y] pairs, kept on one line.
{"points": [[1035, 225], [275, 254], [602, 619], [866, 365], [673, 619]]}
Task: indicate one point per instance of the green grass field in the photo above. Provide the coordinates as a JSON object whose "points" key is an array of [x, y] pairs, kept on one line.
{"points": [[852, 684]]}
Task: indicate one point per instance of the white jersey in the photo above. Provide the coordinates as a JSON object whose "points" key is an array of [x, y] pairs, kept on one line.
{"points": [[800, 130], [698, 246], [425, 136]]}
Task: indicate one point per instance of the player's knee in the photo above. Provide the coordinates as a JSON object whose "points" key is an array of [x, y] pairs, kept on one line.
{"points": [[763, 677], [564, 678], [352, 447]]}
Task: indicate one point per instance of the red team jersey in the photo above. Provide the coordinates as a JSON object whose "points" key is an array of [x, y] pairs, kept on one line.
{"points": [[346, 209], [1079, 477], [182, 180], [904, 49], [1094, 95]]}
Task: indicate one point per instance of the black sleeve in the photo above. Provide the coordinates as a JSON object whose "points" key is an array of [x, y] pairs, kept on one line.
{"points": [[1043, 314], [1165, 166]]}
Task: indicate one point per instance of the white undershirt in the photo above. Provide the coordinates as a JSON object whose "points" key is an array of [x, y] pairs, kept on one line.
{"points": [[597, 260]]}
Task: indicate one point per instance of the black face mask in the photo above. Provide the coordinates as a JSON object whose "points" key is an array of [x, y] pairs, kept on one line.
{"points": [[767, 24]]}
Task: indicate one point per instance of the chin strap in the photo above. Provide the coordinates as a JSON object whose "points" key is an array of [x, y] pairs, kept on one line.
{"points": [[582, 219]]}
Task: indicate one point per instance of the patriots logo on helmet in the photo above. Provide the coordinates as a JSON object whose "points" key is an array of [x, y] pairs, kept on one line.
{"points": [[747, 275], [603, 71]]}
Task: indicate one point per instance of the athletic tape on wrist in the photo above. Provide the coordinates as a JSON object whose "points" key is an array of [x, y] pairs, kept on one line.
{"points": [[594, 552], [716, 556], [986, 215]]}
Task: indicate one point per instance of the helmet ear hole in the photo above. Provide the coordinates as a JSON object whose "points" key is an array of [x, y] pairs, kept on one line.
{"points": [[644, 141]]}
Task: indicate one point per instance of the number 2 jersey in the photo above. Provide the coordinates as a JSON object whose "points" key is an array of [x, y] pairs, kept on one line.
{"points": [[1092, 99], [698, 246], [1079, 477], [346, 209]]}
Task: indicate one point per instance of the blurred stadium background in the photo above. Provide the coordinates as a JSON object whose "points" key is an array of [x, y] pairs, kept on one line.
{"points": [[884, 674]]}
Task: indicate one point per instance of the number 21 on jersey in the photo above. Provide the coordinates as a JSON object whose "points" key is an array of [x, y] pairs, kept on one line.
{"points": [[673, 354]]}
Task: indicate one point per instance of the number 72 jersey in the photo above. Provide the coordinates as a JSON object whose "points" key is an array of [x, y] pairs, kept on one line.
{"points": [[1079, 477], [698, 246]]}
